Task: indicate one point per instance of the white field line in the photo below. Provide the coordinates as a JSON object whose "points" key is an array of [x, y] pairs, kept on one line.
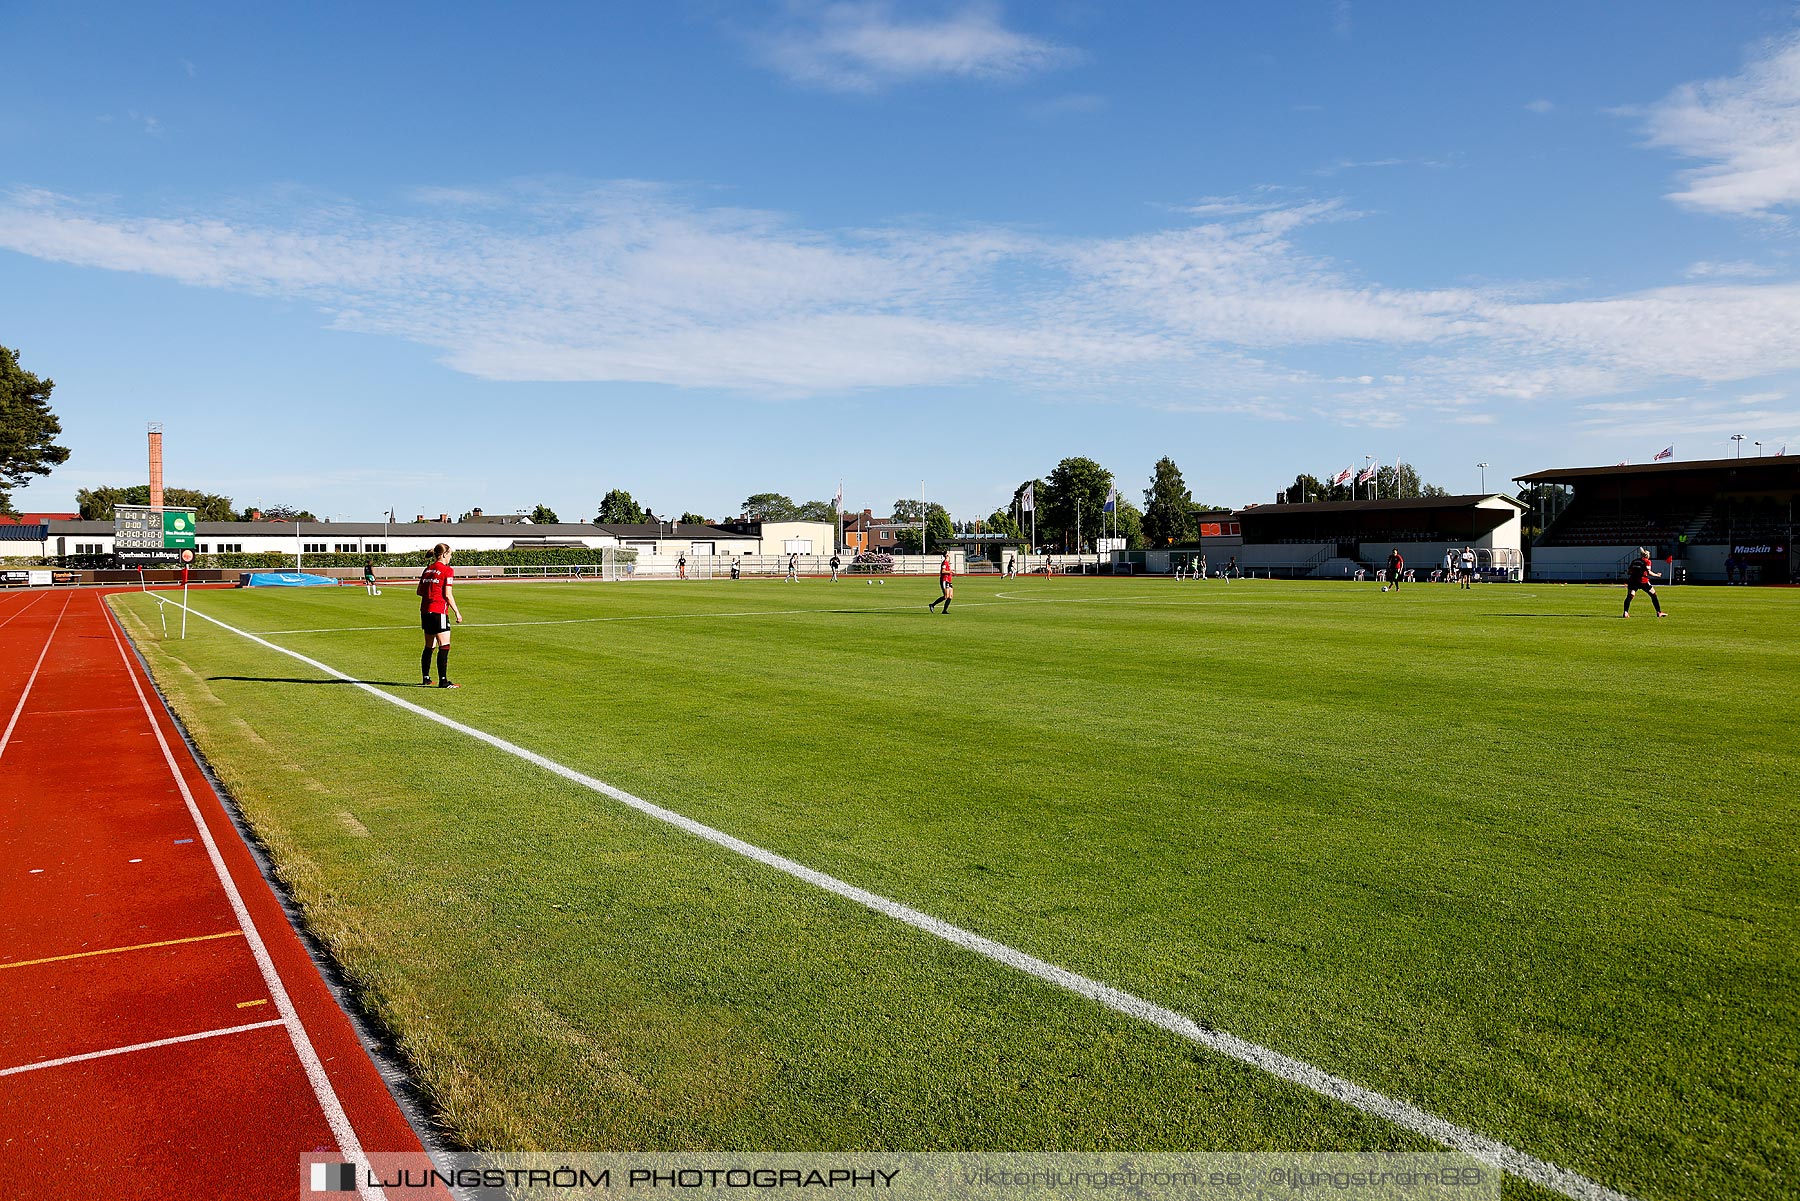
{"points": [[1527, 1167], [161, 1042], [333, 1109], [6, 738]]}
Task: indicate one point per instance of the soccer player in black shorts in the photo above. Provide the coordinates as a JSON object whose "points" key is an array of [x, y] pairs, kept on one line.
{"points": [[436, 603], [1638, 574]]}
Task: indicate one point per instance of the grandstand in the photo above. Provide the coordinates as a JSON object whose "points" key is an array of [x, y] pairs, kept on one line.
{"points": [[1697, 514], [1335, 539]]}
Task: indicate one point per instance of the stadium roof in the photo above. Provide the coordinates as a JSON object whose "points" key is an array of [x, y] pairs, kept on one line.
{"points": [[1326, 507], [1556, 474], [666, 530]]}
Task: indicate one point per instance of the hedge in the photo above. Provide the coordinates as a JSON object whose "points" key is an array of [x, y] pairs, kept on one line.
{"points": [[556, 556]]}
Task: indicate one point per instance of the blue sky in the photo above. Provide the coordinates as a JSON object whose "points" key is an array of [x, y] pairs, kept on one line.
{"points": [[432, 257]]}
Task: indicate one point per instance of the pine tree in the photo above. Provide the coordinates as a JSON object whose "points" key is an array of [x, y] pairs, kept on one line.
{"points": [[26, 428]]}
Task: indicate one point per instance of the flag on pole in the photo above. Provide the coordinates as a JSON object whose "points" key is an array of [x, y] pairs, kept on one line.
{"points": [[1782, 451], [1667, 452], [1027, 499], [1112, 500], [1342, 477], [837, 502], [1367, 473]]}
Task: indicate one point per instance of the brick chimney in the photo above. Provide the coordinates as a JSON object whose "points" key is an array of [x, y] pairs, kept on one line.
{"points": [[156, 465]]}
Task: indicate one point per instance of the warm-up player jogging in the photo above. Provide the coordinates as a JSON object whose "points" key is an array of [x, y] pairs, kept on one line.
{"points": [[1638, 574], [436, 605], [1396, 566], [946, 585]]}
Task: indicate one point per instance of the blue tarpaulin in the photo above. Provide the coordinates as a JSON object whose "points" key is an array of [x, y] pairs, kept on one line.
{"points": [[287, 579]]}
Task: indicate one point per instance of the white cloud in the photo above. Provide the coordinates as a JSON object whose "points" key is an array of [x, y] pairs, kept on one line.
{"points": [[1747, 125], [1345, 164], [1733, 270], [1540, 107], [630, 283], [1713, 418], [1713, 333], [862, 46]]}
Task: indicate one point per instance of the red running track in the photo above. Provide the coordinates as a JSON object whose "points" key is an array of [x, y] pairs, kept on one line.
{"points": [[163, 1031]]}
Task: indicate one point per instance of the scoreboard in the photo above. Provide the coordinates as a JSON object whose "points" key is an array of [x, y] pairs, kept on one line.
{"points": [[146, 535]]}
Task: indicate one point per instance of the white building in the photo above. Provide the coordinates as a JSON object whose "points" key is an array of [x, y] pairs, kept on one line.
{"points": [[65, 539]]}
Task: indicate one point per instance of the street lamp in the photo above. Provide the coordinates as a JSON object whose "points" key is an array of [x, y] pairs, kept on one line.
{"points": [[1483, 467], [1759, 450], [1739, 439]]}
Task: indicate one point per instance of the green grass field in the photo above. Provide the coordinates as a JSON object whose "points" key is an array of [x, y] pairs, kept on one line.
{"points": [[1499, 854]]}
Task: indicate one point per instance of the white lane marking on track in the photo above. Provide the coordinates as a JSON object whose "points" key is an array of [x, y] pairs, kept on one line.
{"points": [[34, 600], [161, 1042], [327, 1097], [19, 708], [1457, 1138]]}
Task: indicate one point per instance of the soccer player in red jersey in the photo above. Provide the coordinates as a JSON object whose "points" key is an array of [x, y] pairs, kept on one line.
{"points": [[1638, 574], [946, 584], [1396, 567], [436, 604]]}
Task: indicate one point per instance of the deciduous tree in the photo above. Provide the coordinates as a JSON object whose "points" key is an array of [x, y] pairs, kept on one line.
{"points": [[1002, 522], [1168, 506], [1070, 502], [938, 530], [99, 503], [769, 506], [617, 508]]}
